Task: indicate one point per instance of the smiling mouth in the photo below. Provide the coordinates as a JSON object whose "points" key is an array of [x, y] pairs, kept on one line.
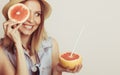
{"points": [[28, 26]]}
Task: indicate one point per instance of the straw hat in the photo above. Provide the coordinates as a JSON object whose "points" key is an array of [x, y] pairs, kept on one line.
{"points": [[12, 2]]}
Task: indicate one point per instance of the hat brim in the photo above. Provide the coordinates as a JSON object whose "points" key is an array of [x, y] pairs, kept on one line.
{"points": [[47, 10]]}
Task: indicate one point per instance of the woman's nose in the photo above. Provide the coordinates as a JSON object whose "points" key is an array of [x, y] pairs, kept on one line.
{"points": [[31, 18]]}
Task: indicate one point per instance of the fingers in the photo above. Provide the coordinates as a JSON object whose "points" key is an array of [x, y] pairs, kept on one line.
{"points": [[77, 68], [62, 69], [17, 26], [9, 26], [11, 29], [8, 23]]}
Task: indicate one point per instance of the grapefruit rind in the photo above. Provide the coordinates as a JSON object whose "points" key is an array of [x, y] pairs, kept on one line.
{"points": [[70, 63], [15, 20]]}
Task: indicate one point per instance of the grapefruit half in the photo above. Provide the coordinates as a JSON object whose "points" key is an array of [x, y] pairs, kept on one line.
{"points": [[18, 13], [68, 61]]}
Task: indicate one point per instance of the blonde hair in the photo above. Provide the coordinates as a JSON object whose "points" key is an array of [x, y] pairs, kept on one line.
{"points": [[36, 38]]}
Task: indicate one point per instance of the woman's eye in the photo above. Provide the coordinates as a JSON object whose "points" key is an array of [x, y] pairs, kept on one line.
{"points": [[37, 14]]}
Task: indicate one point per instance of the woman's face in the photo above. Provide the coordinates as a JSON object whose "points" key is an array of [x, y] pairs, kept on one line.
{"points": [[34, 19]]}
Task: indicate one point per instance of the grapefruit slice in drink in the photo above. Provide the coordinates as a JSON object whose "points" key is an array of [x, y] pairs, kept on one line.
{"points": [[68, 61], [18, 13]]}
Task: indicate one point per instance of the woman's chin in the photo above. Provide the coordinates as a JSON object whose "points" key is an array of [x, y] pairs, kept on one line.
{"points": [[26, 33]]}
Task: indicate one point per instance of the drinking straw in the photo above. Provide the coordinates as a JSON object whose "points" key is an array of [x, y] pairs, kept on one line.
{"points": [[77, 40]]}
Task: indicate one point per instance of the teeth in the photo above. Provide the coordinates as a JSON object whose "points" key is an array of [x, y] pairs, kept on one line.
{"points": [[28, 27]]}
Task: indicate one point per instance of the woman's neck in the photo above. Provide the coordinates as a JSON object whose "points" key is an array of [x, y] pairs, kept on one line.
{"points": [[25, 41]]}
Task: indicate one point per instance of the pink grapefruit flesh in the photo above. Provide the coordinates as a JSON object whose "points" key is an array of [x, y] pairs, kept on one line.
{"points": [[67, 56], [18, 13]]}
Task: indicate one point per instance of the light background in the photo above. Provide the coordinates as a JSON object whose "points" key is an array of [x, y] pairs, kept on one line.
{"points": [[99, 44]]}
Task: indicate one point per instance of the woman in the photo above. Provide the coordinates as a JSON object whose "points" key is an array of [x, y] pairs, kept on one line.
{"points": [[26, 49]]}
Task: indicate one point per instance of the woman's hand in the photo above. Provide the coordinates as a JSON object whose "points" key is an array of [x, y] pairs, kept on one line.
{"points": [[62, 69], [11, 30]]}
